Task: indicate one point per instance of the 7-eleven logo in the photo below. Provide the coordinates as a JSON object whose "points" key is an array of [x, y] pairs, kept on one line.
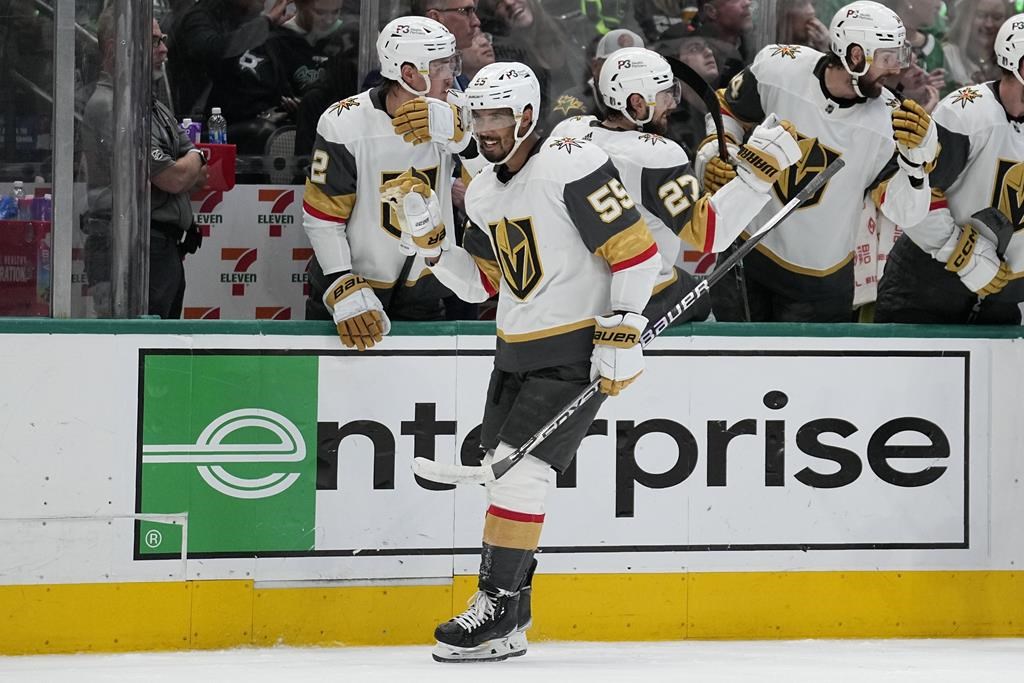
{"points": [[279, 201], [273, 313], [201, 313], [206, 213], [78, 276], [303, 255], [704, 261], [239, 277]]}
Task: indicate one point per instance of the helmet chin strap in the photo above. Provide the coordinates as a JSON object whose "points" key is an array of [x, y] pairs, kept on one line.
{"points": [[519, 140], [640, 124], [410, 89], [855, 82]]}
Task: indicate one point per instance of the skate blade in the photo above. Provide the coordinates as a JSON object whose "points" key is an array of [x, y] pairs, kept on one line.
{"points": [[517, 643], [496, 650]]}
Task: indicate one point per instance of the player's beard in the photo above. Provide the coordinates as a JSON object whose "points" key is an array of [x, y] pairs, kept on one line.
{"points": [[656, 126], [870, 87]]}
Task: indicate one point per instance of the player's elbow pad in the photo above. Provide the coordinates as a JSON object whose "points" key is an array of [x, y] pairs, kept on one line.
{"points": [[330, 243], [631, 287], [457, 271], [904, 203]]}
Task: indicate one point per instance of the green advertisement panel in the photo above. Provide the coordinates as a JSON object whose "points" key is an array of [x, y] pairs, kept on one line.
{"points": [[229, 438]]}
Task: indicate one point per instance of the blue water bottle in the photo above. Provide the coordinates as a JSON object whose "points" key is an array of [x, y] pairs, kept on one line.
{"points": [[217, 127]]}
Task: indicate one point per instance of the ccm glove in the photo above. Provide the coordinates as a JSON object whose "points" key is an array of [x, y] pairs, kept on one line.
{"points": [[976, 262], [770, 149], [419, 213], [428, 120], [917, 138], [357, 312], [618, 357]]}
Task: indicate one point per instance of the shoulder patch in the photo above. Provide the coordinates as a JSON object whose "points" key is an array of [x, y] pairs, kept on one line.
{"points": [[344, 105], [652, 138], [566, 144], [790, 51], [965, 96], [567, 104]]}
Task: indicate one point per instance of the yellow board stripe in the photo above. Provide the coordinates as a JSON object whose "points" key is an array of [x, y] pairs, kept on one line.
{"points": [[120, 617]]}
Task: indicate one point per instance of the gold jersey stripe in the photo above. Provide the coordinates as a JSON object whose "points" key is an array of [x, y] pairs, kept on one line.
{"points": [[660, 287], [800, 270], [544, 334], [340, 206], [508, 533], [695, 231], [388, 284], [490, 270], [626, 244]]}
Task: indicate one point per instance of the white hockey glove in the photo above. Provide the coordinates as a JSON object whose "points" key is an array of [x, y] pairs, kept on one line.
{"points": [[770, 149], [618, 358], [419, 213], [975, 260], [917, 138], [709, 167], [428, 120], [357, 312]]}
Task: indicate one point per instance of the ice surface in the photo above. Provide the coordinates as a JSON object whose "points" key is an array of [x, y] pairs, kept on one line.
{"points": [[805, 661]]}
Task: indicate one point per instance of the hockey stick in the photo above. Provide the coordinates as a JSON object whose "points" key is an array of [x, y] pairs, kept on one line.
{"points": [[469, 474], [707, 94]]}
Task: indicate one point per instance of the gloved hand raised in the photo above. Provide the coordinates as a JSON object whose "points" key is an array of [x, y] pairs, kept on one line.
{"points": [[425, 119], [618, 357], [917, 138], [771, 148], [357, 312], [419, 212]]}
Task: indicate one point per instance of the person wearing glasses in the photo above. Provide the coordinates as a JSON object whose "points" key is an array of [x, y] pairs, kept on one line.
{"points": [[176, 168], [458, 16]]}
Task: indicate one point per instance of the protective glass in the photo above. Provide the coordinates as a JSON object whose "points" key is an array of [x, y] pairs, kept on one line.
{"points": [[446, 66], [674, 92], [893, 57], [489, 120]]}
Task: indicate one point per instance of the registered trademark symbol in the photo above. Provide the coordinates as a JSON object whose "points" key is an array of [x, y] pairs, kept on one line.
{"points": [[154, 538]]}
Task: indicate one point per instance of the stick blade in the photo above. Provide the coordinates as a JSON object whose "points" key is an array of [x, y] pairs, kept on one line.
{"points": [[444, 473]]}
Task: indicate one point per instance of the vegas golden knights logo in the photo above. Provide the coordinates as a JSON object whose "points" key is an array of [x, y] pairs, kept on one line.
{"points": [[1008, 195], [517, 254], [816, 158], [388, 217]]}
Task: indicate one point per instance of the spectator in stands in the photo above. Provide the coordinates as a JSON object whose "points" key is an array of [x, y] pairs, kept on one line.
{"points": [[458, 16], [726, 24], [798, 24], [582, 99], [213, 44], [477, 55], [658, 16], [176, 168], [920, 17], [969, 44], [686, 123], [337, 82], [524, 32]]}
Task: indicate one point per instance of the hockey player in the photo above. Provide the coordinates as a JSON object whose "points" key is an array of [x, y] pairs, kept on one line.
{"points": [[640, 92], [353, 233], [803, 271], [554, 231], [965, 262]]}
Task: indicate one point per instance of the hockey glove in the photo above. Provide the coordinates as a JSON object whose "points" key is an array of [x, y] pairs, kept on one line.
{"points": [[976, 262], [419, 213], [917, 138], [357, 312], [618, 357], [770, 149], [709, 167], [428, 120]]}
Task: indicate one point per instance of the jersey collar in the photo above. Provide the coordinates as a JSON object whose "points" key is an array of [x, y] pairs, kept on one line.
{"points": [[994, 87], [841, 102]]}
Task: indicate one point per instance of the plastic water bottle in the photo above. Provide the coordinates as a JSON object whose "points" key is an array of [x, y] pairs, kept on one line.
{"points": [[18, 195], [217, 127], [46, 210], [43, 271]]}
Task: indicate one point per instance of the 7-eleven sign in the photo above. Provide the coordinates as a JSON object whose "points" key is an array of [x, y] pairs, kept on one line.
{"points": [[274, 203], [239, 276], [303, 255]]}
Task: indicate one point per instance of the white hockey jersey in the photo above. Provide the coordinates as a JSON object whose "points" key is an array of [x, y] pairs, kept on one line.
{"points": [[981, 165], [348, 224], [561, 242], [812, 251]]}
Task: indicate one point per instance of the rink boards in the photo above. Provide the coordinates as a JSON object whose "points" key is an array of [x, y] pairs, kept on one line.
{"points": [[214, 484]]}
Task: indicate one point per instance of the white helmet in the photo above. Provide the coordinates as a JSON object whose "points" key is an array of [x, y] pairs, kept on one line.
{"points": [[873, 27], [506, 85], [1010, 45], [635, 70], [414, 40]]}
